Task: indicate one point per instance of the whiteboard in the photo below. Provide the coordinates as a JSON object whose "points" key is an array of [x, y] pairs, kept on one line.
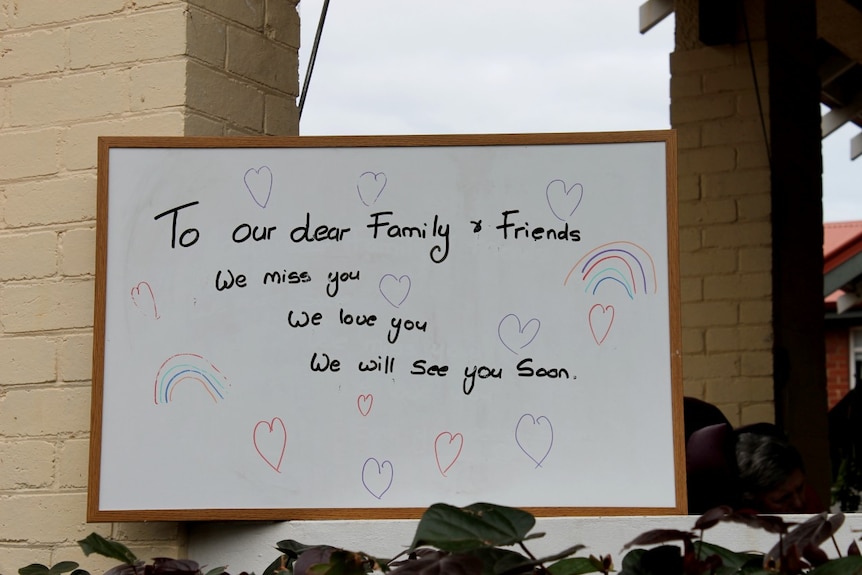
{"points": [[328, 327]]}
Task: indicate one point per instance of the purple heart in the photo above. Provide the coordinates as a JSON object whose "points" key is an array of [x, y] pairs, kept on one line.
{"points": [[514, 335], [370, 186], [532, 438], [374, 481], [258, 182], [563, 201], [395, 289]]}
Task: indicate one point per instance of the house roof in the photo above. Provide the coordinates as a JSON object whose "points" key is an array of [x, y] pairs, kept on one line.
{"points": [[842, 258]]}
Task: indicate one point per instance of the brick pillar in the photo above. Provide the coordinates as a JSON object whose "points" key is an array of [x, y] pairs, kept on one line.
{"points": [[724, 214], [69, 72]]}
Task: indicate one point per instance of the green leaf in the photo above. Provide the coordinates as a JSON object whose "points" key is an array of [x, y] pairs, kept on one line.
{"points": [[80, 572], [843, 566], [473, 527], [95, 543], [216, 570], [728, 558], [574, 566], [62, 567], [34, 569]]}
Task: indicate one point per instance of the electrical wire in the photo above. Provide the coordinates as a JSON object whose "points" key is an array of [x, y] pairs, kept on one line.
{"points": [[313, 56], [756, 84]]}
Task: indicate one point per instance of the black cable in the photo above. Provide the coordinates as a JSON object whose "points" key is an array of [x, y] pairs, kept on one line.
{"points": [[756, 84], [313, 56]]}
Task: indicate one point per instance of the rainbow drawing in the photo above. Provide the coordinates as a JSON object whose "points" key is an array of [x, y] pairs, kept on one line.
{"points": [[188, 367], [620, 263]]}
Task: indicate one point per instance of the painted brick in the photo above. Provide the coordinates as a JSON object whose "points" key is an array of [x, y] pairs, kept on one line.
{"points": [[4, 24], [248, 13], [755, 259], [741, 389], [133, 38], [281, 22], [40, 12], [691, 289], [688, 136], [739, 338], [759, 52], [47, 518], [690, 239], [75, 357], [745, 183], [753, 155], [13, 558], [738, 235], [144, 4], [28, 256], [706, 161], [737, 286], [32, 53], [4, 106], [682, 62], [708, 261], [757, 413], [693, 388], [72, 461], [754, 208], [281, 116], [28, 154], [78, 252], [158, 85], [706, 314], [70, 98], [78, 148], [747, 104], [755, 312], [27, 360], [217, 94], [41, 412], [253, 56], [687, 85], [693, 341], [734, 79], [719, 211], [26, 464], [197, 125], [51, 201], [206, 37], [731, 131], [700, 108], [46, 306], [151, 531], [688, 189], [758, 364], [724, 365]]}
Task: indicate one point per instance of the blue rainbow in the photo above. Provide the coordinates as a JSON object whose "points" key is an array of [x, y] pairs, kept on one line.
{"points": [[184, 367], [620, 263]]}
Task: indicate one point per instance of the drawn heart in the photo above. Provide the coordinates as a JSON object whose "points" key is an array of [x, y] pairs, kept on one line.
{"points": [[535, 437], [395, 289], [258, 182], [144, 300], [364, 403], [270, 441], [563, 201], [601, 319], [447, 449], [376, 481], [370, 186], [516, 336]]}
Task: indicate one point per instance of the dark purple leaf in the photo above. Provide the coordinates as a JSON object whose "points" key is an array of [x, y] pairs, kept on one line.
{"points": [[446, 565], [311, 557], [853, 549], [712, 517]]}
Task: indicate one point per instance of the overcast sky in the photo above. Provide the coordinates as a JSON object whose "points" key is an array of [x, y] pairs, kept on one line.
{"points": [[497, 66]]}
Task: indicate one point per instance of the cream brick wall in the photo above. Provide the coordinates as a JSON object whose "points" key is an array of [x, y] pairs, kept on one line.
{"points": [[725, 229], [70, 71]]}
